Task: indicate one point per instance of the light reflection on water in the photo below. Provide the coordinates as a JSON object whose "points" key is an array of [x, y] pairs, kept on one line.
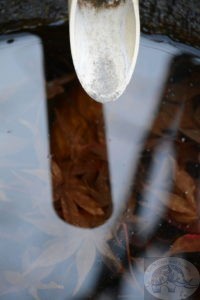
{"points": [[129, 119], [43, 257]]}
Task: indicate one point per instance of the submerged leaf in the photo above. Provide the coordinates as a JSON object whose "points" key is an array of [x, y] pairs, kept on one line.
{"points": [[186, 243], [56, 252], [87, 203], [180, 208], [56, 86], [82, 194], [56, 174], [186, 185], [85, 259], [194, 134]]}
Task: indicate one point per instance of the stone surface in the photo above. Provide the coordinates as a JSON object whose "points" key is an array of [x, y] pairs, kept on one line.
{"points": [[178, 19], [18, 14]]}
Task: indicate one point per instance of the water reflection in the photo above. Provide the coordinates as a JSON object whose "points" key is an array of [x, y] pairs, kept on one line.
{"points": [[152, 138]]}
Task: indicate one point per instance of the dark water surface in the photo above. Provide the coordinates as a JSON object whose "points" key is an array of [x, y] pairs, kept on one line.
{"points": [[124, 184]]}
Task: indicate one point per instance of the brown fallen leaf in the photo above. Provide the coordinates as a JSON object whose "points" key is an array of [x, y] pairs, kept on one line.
{"points": [[59, 144], [183, 218], [79, 148], [87, 203], [69, 209], [193, 134], [185, 183], [180, 208], [71, 213], [180, 205], [56, 174], [56, 86], [186, 243]]}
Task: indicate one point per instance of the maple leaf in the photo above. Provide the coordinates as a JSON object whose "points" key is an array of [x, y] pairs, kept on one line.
{"points": [[19, 281], [186, 243], [32, 282], [180, 209], [186, 184], [80, 169], [74, 244], [193, 134]]}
